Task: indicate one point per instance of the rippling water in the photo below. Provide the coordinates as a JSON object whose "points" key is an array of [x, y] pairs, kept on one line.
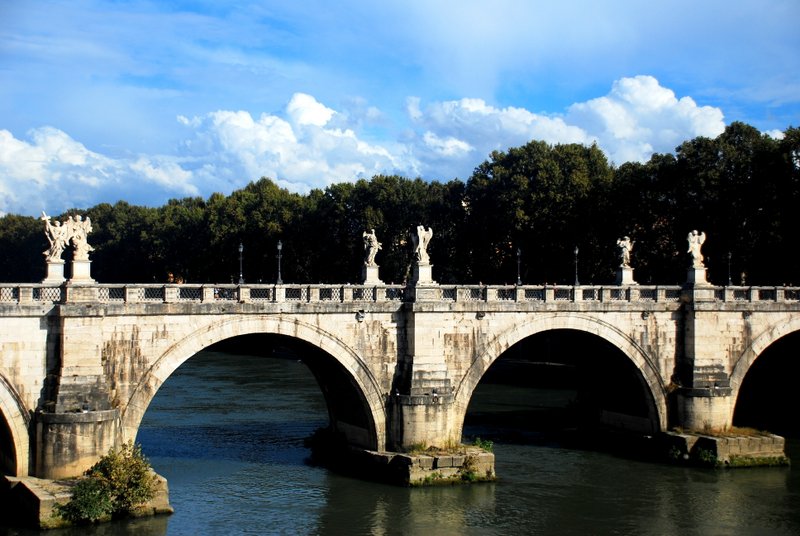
{"points": [[227, 432]]}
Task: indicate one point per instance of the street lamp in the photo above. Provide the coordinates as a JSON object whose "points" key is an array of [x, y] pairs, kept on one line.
{"points": [[241, 249], [280, 248], [519, 256], [729, 269], [576, 266]]}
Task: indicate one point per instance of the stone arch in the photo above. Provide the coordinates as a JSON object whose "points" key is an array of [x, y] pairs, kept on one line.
{"points": [[742, 366], [488, 353], [18, 420], [165, 364]]}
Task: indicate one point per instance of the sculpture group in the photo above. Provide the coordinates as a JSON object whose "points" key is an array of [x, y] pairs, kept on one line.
{"points": [[75, 231]]}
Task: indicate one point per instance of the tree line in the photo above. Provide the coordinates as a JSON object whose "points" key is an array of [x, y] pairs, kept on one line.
{"points": [[741, 188]]}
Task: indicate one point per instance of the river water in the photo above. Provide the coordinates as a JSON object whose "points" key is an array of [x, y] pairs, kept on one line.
{"points": [[227, 432]]}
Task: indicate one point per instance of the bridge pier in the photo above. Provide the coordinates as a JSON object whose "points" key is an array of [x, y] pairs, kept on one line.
{"points": [[423, 413], [67, 444], [423, 420], [704, 401], [704, 409]]}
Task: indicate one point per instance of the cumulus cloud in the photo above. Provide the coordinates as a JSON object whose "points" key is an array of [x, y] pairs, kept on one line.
{"points": [[635, 119], [301, 150], [305, 110], [639, 117], [311, 145], [53, 172]]}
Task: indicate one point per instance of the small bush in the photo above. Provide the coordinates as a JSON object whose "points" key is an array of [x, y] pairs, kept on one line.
{"points": [[706, 457], [114, 486], [90, 502], [485, 444]]}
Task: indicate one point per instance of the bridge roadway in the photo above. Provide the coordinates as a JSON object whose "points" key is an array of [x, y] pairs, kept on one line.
{"points": [[80, 363]]}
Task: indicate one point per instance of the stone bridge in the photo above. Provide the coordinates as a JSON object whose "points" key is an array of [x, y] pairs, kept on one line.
{"points": [[398, 365]]}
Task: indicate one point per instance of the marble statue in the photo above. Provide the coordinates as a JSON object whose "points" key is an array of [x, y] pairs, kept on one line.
{"points": [[421, 238], [79, 234], [58, 237], [372, 246], [696, 240], [75, 231], [625, 245]]}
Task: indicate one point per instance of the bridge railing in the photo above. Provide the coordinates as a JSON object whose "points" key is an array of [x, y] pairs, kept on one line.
{"points": [[558, 293], [204, 293]]}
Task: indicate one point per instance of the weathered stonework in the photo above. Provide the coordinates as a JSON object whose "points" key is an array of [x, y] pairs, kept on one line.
{"points": [[80, 363], [729, 450]]}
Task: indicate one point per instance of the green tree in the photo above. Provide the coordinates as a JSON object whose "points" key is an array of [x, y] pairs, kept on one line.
{"points": [[22, 241], [540, 198]]}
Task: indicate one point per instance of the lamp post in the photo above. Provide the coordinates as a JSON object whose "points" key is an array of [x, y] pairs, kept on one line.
{"points": [[576, 266], [280, 248], [241, 278], [519, 256], [729, 269]]}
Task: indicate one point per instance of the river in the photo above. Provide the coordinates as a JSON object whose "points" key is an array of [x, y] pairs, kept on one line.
{"points": [[227, 432]]}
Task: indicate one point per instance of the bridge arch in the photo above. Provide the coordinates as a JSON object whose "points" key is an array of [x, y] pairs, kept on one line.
{"points": [[786, 326], [164, 365], [17, 420], [488, 353]]}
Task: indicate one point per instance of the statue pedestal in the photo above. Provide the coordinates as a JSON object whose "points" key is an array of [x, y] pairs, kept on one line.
{"points": [[370, 275], [81, 272], [55, 273], [696, 276], [422, 275], [625, 276]]}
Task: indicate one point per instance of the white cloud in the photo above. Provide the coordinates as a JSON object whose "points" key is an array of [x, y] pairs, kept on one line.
{"points": [[458, 135], [54, 172], [639, 117], [311, 145], [635, 119], [305, 110], [300, 152], [165, 173], [446, 146]]}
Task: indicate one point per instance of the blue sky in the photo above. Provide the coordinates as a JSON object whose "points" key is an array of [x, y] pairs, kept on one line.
{"points": [[151, 100]]}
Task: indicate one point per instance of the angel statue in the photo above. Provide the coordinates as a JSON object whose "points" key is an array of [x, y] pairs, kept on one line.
{"points": [[372, 246], [696, 240], [421, 239], [79, 232], [57, 235], [625, 245]]}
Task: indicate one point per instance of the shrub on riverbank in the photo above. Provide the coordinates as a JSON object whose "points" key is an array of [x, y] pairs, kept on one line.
{"points": [[121, 481]]}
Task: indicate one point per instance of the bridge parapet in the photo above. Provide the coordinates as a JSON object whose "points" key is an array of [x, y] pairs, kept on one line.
{"points": [[176, 293]]}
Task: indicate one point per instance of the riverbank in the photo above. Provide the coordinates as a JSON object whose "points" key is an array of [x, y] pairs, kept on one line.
{"points": [[31, 502]]}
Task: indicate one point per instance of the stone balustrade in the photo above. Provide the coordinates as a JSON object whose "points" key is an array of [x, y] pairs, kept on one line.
{"points": [[205, 293]]}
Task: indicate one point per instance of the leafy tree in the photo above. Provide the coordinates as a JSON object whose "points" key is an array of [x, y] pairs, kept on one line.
{"points": [[537, 197], [127, 243], [22, 241]]}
